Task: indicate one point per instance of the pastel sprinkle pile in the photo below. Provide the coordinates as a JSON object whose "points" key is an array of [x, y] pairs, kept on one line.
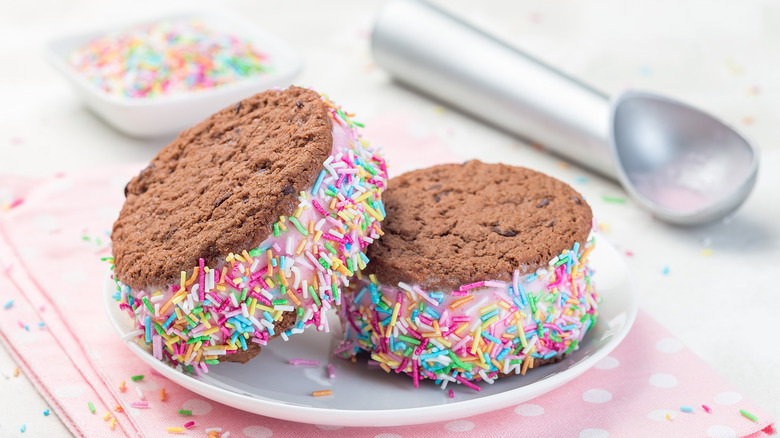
{"points": [[166, 57], [480, 330], [296, 274]]}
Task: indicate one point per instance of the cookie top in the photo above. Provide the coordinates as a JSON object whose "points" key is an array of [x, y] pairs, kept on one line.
{"points": [[220, 185], [454, 224]]}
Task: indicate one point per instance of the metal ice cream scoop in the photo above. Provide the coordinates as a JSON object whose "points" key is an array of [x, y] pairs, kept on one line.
{"points": [[682, 164]]}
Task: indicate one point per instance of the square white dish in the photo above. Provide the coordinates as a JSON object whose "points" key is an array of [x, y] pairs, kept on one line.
{"points": [[166, 115]]}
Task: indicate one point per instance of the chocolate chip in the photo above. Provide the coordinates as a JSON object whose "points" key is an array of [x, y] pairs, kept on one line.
{"points": [[505, 233], [288, 190], [237, 108], [170, 232], [299, 104], [437, 197], [126, 189], [544, 202], [576, 199], [550, 224], [219, 201]]}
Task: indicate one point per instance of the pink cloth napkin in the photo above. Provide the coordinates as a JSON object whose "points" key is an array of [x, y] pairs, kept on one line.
{"points": [[51, 242]]}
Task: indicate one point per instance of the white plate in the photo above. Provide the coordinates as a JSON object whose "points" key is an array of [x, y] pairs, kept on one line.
{"points": [[151, 117], [367, 396]]}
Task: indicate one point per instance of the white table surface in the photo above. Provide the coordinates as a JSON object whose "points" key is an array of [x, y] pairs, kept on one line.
{"points": [[719, 56]]}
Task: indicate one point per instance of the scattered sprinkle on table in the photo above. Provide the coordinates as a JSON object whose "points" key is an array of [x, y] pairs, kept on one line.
{"points": [[669, 416], [581, 180], [162, 394], [331, 371], [706, 408], [112, 423], [706, 252], [185, 412], [304, 362], [452, 394], [613, 199], [686, 409], [189, 424], [46, 413], [16, 372], [175, 429], [322, 393], [137, 378], [165, 58], [665, 270], [107, 415], [140, 404], [748, 415], [122, 386], [8, 304], [23, 428], [91, 407]]}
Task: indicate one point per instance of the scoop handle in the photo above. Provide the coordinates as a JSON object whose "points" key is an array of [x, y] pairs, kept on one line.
{"points": [[448, 59]]}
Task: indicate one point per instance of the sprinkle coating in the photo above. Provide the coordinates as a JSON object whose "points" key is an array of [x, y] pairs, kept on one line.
{"points": [[225, 311]]}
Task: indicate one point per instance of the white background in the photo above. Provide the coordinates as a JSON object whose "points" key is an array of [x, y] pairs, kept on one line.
{"points": [[720, 56]]}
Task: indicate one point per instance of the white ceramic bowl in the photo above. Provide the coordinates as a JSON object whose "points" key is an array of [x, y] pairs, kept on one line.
{"points": [[164, 115]]}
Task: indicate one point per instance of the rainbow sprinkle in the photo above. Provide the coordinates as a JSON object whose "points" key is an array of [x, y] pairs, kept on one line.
{"points": [[165, 58], [748, 415], [322, 393], [477, 332], [300, 271], [304, 362]]}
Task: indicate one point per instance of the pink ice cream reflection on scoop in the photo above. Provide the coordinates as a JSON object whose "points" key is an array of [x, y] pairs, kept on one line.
{"points": [[683, 165]]}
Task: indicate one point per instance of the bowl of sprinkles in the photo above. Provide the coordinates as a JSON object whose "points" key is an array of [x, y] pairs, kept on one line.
{"points": [[160, 76]]}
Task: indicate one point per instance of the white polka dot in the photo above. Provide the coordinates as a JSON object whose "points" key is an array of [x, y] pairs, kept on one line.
{"points": [[73, 276], [607, 363], [61, 184], [660, 414], [597, 396], [728, 398], [26, 337], [418, 130], [594, 433], [6, 195], [663, 380], [46, 222], [459, 426], [388, 435], [68, 391], [119, 182], [198, 407], [529, 410], [669, 345], [257, 432], [109, 213], [147, 384], [28, 252], [718, 431], [327, 427]]}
